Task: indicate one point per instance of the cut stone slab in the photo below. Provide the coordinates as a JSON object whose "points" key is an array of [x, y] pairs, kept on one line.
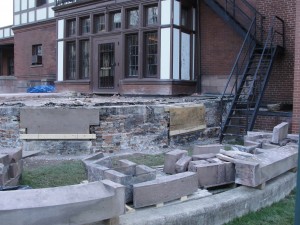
{"points": [[4, 159], [143, 174], [27, 154], [198, 162], [182, 164], [170, 160], [3, 174], [214, 174], [204, 156], [78, 204], [95, 172], [280, 132], [164, 189], [15, 169], [127, 167], [14, 154], [206, 149]]}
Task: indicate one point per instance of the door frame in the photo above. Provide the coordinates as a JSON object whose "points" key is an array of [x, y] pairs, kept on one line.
{"points": [[118, 65]]}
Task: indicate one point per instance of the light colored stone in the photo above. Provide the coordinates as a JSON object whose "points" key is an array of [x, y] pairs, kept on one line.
{"points": [[171, 158], [182, 164], [280, 132], [78, 204], [204, 156], [164, 189], [206, 149]]}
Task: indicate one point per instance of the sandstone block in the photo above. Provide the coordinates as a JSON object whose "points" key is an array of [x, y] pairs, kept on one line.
{"points": [[205, 149], [182, 164], [193, 163], [4, 159], [164, 189], [14, 154], [127, 167], [3, 174], [96, 172], [15, 169], [143, 174], [204, 156], [170, 160]]}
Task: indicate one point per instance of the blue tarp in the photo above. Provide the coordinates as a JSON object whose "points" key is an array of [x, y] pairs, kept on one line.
{"points": [[41, 89]]}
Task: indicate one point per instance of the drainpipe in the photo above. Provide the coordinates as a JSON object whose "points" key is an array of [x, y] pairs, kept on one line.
{"points": [[198, 34], [297, 208]]}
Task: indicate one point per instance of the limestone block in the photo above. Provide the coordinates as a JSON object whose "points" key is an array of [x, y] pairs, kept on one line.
{"points": [[205, 149], [76, 204], [193, 163], [13, 181], [4, 159], [15, 169], [143, 174], [182, 164], [14, 154], [280, 132], [105, 161], [127, 167], [96, 172], [204, 156], [164, 189], [171, 158], [3, 174]]}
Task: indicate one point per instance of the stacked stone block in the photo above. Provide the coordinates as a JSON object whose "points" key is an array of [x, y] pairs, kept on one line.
{"points": [[11, 166]]}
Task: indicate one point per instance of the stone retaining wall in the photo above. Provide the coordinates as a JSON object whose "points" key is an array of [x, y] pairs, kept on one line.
{"points": [[141, 128]]}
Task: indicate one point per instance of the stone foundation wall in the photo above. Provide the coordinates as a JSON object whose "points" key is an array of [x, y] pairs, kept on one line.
{"points": [[137, 128]]}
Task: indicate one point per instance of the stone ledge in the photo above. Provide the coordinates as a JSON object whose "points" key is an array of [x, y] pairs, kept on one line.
{"points": [[58, 136]]}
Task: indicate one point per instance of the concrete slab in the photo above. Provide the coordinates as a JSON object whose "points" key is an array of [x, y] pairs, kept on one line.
{"points": [[206, 149], [164, 189], [182, 164]]}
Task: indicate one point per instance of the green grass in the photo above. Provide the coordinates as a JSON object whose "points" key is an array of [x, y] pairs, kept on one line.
{"points": [[148, 160], [62, 174], [281, 213]]}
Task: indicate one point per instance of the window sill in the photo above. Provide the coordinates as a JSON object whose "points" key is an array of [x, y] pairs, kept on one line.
{"points": [[34, 66]]}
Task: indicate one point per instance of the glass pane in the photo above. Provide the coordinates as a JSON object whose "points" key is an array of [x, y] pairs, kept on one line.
{"points": [[151, 54], [71, 61], [133, 18], [184, 17], [71, 27], [99, 23], [132, 55], [85, 25], [84, 60], [116, 21], [106, 65], [152, 15]]}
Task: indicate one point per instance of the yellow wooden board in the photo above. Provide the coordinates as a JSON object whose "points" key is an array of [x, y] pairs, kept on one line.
{"points": [[185, 119]]}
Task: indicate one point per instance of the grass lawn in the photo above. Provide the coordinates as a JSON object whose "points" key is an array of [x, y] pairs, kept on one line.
{"points": [[61, 174], [281, 213]]}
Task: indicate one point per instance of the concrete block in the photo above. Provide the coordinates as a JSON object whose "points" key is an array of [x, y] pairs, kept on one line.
{"points": [[205, 149], [15, 169], [171, 158], [14, 154], [280, 132], [76, 204], [204, 156], [182, 164], [164, 189]]}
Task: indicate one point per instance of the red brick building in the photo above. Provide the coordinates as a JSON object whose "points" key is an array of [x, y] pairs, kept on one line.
{"points": [[160, 47]]}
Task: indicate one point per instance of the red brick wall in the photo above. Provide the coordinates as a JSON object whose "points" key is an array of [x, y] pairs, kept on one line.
{"points": [[267, 123], [220, 45], [296, 97], [27, 36], [280, 87]]}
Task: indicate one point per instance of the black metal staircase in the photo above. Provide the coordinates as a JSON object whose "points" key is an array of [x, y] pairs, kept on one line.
{"points": [[249, 76]]}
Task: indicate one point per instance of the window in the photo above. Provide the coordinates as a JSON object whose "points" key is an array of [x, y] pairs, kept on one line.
{"points": [[133, 18], [40, 3], [116, 20], [151, 54], [71, 28], [132, 55], [152, 15], [85, 25], [84, 59], [37, 55], [99, 22], [71, 60], [184, 17]]}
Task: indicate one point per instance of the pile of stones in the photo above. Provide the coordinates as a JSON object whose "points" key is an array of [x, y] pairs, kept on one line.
{"points": [[11, 167]]}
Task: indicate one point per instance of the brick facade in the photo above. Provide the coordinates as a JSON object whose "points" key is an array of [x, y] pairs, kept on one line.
{"points": [[25, 38], [296, 97]]}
